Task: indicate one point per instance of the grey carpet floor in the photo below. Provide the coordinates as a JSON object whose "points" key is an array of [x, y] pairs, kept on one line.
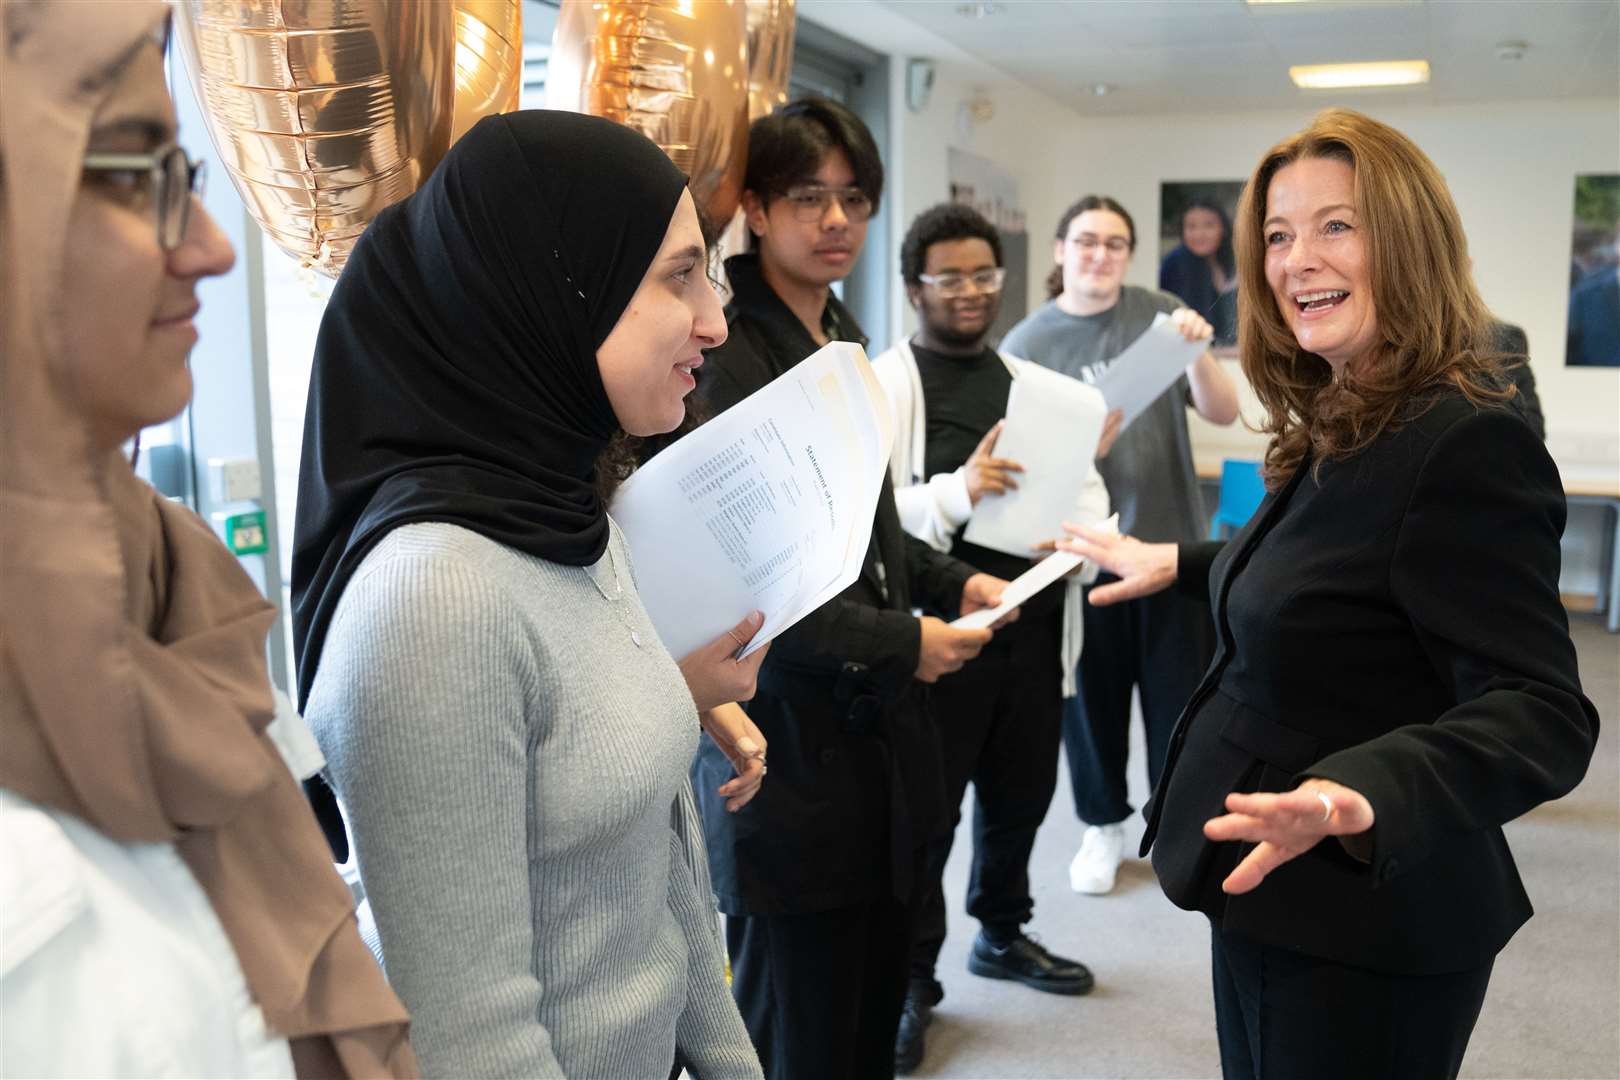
{"points": [[1554, 1005]]}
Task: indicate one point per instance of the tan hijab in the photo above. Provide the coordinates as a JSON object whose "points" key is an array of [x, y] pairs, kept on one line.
{"points": [[133, 687]]}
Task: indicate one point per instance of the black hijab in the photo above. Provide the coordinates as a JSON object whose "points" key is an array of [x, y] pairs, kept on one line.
{"points": [[455, 374]]}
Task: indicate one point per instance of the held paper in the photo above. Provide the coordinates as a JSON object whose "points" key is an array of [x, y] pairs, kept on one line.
{"points": [[1030, 582], [1053, 424], [1148, 368], [766, 507], [1021, 588]]}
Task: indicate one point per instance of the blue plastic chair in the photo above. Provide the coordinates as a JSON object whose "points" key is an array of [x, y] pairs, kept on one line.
{"points": [[1241, 492]]}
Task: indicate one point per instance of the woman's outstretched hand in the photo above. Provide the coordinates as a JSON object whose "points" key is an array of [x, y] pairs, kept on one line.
{"points": [[1288, 824], [1142, 569]]}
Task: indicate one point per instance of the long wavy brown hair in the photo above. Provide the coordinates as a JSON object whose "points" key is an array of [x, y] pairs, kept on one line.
{"points": [[1434, 329]]}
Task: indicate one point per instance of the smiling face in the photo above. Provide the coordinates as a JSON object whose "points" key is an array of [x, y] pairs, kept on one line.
{"points": [[961, 321], [129, 304], [1094, 254], [1316, 260], [813, 254], [648, 359], [1202, 232]]}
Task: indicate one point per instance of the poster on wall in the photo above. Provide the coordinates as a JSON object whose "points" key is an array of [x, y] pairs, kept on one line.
{"points": [[1195, 251], [993, 192], [1594, 274]]}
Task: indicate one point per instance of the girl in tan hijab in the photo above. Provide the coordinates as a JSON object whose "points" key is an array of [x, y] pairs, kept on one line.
{"points": [[167, 904]]}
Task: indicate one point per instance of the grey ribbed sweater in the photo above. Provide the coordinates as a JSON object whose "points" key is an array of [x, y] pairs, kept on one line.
{"points": [[514, 769]]}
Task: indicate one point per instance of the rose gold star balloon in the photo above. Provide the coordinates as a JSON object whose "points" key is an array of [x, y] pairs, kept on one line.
{"points": [[322, 111], [675, 70], [770, 54]]}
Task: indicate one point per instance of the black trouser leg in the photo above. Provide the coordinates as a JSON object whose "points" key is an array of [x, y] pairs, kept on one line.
{"points": [[1016, 774], [1281, 1015], [821, 993], [1175, 643], [962, 705], [1096, 724]]}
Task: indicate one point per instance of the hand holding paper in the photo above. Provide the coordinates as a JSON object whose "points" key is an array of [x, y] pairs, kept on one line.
{"points": [[1036, 578], [767, 507], [1052, 426], [1152, 364]]}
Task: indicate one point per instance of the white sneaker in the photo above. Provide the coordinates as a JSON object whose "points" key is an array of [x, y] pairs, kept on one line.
{"points": [[1097, 861]]}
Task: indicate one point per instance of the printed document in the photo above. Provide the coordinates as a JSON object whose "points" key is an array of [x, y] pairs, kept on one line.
{"points": [[1148, 368], [1030, 582], [766, 507], [1053, 425]]}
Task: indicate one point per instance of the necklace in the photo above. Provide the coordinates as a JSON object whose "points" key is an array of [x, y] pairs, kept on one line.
{"points": [[617, 599]]}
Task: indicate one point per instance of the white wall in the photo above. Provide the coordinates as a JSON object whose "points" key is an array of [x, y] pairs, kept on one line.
{"points": [[1511, 168]]}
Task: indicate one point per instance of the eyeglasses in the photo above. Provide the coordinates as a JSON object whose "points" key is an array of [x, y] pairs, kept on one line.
{"points": [[810, 202], [164, 178], [950, 286], [1116, 245]]}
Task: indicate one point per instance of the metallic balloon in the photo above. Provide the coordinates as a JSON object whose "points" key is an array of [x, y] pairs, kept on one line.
{"points": [[489, 60], [770, 54], [322, 111], [675, 70]]}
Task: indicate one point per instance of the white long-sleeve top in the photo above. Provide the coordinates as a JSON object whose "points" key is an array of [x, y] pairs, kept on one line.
{"points": [[112, 961], [933, 508]]}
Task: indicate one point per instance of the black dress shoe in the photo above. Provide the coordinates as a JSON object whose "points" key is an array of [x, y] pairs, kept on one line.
{"points": [[909, 1041], [1025, 961]]}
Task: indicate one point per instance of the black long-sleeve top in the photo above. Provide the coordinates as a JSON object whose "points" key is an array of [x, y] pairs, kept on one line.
{"points": [[855, 784], [1392, 624]]}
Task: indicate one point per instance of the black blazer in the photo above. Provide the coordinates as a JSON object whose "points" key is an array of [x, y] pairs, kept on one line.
{"points": [[1395, 627], [856, 779]]}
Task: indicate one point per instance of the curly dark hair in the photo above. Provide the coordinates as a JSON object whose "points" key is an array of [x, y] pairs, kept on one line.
{"points": [[937, 224]]}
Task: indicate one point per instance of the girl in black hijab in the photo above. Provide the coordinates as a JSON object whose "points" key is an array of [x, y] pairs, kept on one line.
{"points": [[509, 737]]}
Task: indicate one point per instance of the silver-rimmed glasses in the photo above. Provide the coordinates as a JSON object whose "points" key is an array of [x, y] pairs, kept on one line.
{"points": [[810, 202], [951, 286], [166, 177]]}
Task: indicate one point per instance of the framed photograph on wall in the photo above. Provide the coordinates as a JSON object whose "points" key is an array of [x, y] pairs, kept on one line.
{"points": [[993, 192], [1594, 274], [1195, 251]]}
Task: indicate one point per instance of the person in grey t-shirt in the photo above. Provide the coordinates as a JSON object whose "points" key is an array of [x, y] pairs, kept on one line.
{"points": [[1160, 644]]}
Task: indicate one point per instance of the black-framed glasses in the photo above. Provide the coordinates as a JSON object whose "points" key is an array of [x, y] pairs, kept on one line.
{"points": [[166, 178], [810, 202], [951, 286]]}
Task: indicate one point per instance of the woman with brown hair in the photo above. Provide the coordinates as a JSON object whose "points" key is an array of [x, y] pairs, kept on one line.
{"points": [[1394, 669], [167, 905]]}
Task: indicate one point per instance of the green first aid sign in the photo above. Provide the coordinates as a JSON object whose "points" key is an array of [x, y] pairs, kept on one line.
{"points": [[245, 534]]}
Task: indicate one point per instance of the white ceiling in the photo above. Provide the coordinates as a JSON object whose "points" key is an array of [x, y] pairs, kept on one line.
{"points": [[1228, 55]]}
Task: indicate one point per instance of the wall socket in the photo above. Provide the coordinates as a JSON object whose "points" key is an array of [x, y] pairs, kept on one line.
{"points": [[234, 479]]}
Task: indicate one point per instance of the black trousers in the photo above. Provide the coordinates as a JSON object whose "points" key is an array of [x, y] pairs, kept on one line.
{"points": [[821, 993], [1160, 644], [999, 720], [1280, 1015]]}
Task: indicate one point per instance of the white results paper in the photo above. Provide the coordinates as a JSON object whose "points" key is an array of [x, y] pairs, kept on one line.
{"points": [[1148, 368], [1053, 425], [1030, 582], [766, 507], [1021, 588]]}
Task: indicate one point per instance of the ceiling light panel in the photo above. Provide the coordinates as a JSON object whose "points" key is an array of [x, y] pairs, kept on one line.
{"points": [[1351, 76]]}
